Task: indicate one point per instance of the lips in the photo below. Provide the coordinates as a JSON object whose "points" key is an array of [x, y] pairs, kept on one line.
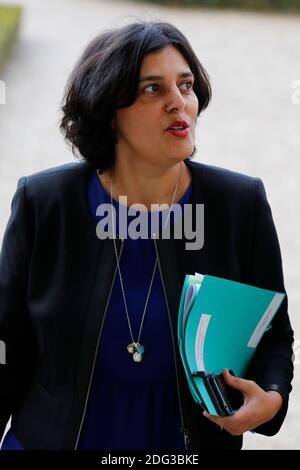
{"points": [[178, 126], [179, 129]]}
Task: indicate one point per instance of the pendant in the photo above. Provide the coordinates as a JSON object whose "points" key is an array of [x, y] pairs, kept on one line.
{"points": [[137, 357], [137, 350], [131, 348]]}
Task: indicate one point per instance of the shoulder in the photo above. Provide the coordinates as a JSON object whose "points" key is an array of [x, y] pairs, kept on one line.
{"points": [[53, 191], [221, 178], [220, 183], [52, 183], [59, 174]]}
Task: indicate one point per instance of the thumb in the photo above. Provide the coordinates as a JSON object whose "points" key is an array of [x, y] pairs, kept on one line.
{"points": [[236, 382]]}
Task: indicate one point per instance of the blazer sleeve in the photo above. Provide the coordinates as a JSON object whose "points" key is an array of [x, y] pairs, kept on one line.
{"points": [[16, 329], [272, 365]]}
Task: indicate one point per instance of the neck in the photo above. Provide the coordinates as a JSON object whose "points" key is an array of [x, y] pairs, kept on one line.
{"points": [[146, 184]]}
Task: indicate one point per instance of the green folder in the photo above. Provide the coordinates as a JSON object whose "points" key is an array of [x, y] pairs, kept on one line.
{"points": [[220, 324]]}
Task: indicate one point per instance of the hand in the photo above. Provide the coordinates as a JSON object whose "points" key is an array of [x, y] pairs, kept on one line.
{"points": [[258, 408]]}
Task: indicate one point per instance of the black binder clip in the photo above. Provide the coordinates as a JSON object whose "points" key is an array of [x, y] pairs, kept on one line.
{"points": [[199, 373]]}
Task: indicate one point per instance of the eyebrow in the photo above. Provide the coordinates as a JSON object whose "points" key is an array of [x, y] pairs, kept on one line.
{"points": [[159, 77]]}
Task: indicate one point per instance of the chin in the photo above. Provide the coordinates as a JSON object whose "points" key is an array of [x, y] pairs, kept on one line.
{"points": [[185, 153], [179, 153], [180, 157]]}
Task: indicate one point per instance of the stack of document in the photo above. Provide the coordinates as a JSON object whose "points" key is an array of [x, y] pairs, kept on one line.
{"points": [[220, 323]]}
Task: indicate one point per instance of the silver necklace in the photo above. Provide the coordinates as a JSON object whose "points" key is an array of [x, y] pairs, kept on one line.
{"points": [[135, 348]]}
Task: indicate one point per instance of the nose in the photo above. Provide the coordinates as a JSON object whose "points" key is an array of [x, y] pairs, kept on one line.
{"points": [[174, 100]]}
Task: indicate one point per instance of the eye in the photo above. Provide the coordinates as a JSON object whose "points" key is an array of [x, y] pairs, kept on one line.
{"points": [[151, 88], [188, 85], [154, 87]]}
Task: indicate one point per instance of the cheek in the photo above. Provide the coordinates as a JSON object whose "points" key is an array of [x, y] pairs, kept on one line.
{"points": [[134, 121], [136, 130], [193, 106], [145, 124]]}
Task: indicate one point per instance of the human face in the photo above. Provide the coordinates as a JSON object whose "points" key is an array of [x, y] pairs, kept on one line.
{"points": [[165, 95]]}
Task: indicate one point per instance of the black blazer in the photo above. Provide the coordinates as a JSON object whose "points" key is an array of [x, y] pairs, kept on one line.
{"points": [[55, 282]]}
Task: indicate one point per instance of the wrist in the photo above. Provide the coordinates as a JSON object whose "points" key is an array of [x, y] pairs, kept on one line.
{"points": [[275, 400]]}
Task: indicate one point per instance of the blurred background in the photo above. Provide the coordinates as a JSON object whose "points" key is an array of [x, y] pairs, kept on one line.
{"points": [[251, 50]]}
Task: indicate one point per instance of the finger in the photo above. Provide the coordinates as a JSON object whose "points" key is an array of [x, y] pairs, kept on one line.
{"points": [[230, 424], [215, 419], [245, 386]]}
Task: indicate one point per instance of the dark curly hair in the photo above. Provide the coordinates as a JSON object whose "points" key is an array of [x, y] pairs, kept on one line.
{"points": [[105, 79]]}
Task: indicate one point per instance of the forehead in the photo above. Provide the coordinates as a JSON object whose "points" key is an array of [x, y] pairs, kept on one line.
{"points": [[166, 59]]}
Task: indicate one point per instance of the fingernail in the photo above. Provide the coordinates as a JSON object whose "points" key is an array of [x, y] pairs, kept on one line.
{"points": [[205, 414]]}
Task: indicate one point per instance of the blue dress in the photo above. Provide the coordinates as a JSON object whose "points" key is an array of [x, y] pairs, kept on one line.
{"points": [[131, 406]]}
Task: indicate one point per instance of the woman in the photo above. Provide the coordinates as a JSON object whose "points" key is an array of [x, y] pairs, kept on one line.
{"points": [[89, 321]]}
